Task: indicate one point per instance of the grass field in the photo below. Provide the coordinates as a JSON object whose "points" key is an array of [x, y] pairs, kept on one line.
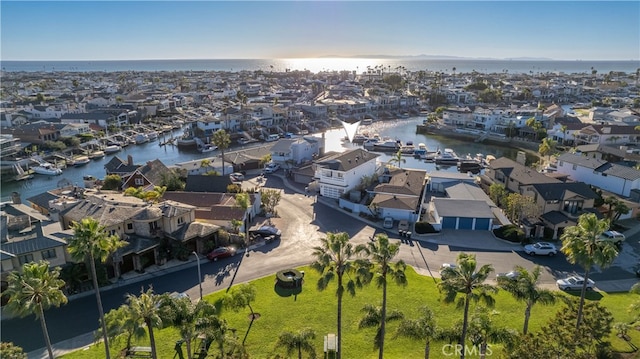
{"points": [[317, 310]]}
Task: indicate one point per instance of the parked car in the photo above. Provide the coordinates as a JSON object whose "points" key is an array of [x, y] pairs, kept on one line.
{"points": [[574, 283], [541, 248], [612, 236], [448, 265], [236, 177], [403, 226], [266, 231], [388, 222], [271, 168], [221, 252], [511, 275]]}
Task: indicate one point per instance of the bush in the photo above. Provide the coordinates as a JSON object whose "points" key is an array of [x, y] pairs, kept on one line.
{"points": [[424, 227], [289, 278], [510, 232]]}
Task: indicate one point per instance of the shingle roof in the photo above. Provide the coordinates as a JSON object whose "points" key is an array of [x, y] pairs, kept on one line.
{"points": [[520, 173], [202, 183], [42, 199], [581, 160], [616, 170], [464, 208], [396, 202], [457, 190], [557, 191], [346, 161], [193, 230], [404, 182], [556, 217]]}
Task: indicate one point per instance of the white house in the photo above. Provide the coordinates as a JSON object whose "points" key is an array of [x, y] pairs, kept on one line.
{"points": [[296, 150], [608, 176], [339, 173]]}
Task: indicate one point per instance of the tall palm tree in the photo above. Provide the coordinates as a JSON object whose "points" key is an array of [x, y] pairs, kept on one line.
{"points": [[469, 281], [184, 314], [421, 328], [240, 297], [563, 129], [146, 308], [333, 259], [482, 331], [302, 340], [121, 323], [581, 246], [222, 140], [33, 291], [373, 317], [547, 147], [397, 158], [381, 252], [91, 242], [524, 288]]}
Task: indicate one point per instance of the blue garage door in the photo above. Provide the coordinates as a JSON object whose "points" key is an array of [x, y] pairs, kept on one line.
{"points": [[482, 224], [449, 223], [465, 223]]}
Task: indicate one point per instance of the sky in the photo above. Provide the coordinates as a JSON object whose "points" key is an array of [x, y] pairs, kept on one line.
{"points": [[136, 30]]}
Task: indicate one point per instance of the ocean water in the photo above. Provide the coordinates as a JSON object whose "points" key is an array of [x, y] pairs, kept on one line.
{"points": [[315, 65]]}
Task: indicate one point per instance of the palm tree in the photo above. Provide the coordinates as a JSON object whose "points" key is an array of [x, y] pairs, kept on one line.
{"points": [[421, 328], [466, 279], [375, 317], [563, 129], [91, 242], [120, 322], [616, 208], [240, 297], [524, 288], [333, 260], [582, 246], [381, 252], [397, 158], [33, 291], [546, 147], [482, 330], [222, 140], [184, 315], [302, 340], [243, 202], [146, 308]]}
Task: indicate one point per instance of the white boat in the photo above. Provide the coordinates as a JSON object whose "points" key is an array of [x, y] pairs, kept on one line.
{"points": [[81, 161], [96, 154], [46, 168], [141, 138], [387, 146], [111, 149], [448, 157], [208, 148], [152, 135], [420, 151]]}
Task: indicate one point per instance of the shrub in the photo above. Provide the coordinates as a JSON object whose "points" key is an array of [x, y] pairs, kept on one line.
{"points": [[289, 278], [510, 232], [424, 227]]}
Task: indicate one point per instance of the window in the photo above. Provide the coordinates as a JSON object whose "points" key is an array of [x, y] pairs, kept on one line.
{"points": [[25, 258], [180, 220], [129, 226], [138, 181], [112, 232], [49, 253], [573, 206]]}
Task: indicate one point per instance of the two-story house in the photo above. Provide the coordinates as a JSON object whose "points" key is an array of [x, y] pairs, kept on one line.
{"points": [[338, 173], [37, 132], [399, 195], [296, 150], [515, 176]]}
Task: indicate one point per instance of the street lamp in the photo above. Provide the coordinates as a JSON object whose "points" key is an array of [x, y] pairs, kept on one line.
{"points": [[199, 274]]}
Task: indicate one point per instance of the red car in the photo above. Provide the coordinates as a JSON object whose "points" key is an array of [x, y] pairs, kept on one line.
{"points": [[222, 252]]}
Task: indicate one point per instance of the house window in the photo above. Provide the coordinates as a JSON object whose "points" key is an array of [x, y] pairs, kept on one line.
{"points": [[129, 226], [25, 258], [112, 232], [138, 181], [326, 173], [49, 253], [572, 206], [180, 221]]}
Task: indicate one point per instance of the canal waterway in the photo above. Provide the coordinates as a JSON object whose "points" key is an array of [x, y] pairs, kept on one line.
{"points": [[402, 129]]}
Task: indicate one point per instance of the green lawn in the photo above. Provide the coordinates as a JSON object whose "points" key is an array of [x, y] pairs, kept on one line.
{"points": [[316, 310]]}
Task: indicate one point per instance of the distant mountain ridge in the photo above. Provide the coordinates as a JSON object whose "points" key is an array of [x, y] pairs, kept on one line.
{"points": [[438, 57]]}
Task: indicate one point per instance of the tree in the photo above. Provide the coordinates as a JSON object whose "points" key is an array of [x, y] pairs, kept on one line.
{"points": [[172, 181], [222, 140], [91, 242], [112, 182], [482, 330], [469, 281], [563, 129], [333, 259], [120, 322], [242, 202], [497, 193], [582, 246], [302, 340], [240, 297], [11, 351], [265, 159], [33, 291], [547, 147], [184, 316], [270, 199], [397, 158], [519, 207], [146, 308], [381, 252], [617, 208], [421, 328], [374, 317], [524, 288]]}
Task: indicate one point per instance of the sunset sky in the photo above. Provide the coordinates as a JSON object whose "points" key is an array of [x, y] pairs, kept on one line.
{"points": [[119, 30]]}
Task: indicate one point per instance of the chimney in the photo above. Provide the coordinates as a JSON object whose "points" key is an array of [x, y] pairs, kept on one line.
{"points": [[15, 198], [129, 160], [521, 158]]}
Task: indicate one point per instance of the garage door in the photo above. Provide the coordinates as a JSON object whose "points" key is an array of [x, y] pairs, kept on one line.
{"points": [[465, 223], [449, 223], [482, 224]]}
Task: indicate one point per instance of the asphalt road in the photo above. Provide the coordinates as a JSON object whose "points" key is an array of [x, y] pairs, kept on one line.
{"points": [[302, 222]]}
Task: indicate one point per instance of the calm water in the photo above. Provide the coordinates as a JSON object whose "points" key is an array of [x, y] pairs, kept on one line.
{"points": [[401, 129], [316, 65]]}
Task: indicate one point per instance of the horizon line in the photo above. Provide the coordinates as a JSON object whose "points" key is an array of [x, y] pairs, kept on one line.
{"points": [[374, 57]]}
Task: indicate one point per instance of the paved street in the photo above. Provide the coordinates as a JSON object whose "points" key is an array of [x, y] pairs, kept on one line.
{"points": [[302, 220]]}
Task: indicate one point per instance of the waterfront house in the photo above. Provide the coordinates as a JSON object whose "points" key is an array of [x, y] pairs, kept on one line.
{"points": [[611, 177], [296, 150], [37, 133], [338, 173], [607, 135], [399, 194], [147, 176], [515, 176], [117, 166]]}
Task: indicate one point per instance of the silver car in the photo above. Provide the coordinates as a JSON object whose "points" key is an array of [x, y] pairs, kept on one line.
{"points": [[541, 249], [574, 283]]}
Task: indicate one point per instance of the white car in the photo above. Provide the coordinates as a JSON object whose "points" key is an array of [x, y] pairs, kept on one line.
{"points": [[236, 177], [448, 265], [271, 168], [574, 283], [510, 275], [541, 249], [387, 222], [614, 237]]}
